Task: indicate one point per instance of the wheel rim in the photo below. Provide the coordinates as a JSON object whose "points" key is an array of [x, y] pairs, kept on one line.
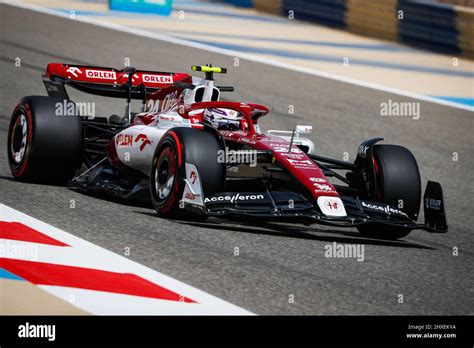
{"points": [[165, 174], [19, 139]]}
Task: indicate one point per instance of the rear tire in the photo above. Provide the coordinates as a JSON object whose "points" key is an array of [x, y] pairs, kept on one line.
{"points": [[44, 147], [179, 146], [397, 180]]}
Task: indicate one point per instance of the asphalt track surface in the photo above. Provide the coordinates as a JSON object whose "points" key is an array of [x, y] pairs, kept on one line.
{"points": [[275, 261]]}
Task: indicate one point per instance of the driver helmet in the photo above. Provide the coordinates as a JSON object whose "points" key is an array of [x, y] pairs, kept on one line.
{"points": [[223, 119]]}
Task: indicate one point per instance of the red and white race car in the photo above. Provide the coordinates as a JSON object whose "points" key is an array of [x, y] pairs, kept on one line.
{"points": [[194, 156]]}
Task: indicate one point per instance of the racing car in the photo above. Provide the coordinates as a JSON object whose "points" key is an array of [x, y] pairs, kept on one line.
{"points": [[196, 156]]}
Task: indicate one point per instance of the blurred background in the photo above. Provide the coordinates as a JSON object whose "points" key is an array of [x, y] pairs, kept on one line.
{"points": [[418, 46]]}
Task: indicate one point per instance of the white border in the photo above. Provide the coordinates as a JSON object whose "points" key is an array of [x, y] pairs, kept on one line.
{"points": [[247, 56]]}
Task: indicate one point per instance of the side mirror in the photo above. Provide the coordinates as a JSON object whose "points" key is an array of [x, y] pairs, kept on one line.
{"points": [[304, 129]]}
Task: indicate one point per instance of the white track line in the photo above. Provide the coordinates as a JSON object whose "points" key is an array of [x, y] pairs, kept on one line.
{"points": [[81, 253], [246, 56]]}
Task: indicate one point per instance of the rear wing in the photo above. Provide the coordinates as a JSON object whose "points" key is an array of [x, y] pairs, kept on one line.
{"points": [[108, 82]]}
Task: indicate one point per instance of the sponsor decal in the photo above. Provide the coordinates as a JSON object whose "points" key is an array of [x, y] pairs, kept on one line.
{"points": [[362, 150], [192, 192], [383, 208], [126, 77], [281, 148], [247, 141], [228, 134], [122, 140], [334, 206], [233, 198], [193, 177], [169, 102], [167, 118], [190, 196], [294, 156], [144, 139], [51, 88], [323, 188], [157, 78], [434, 204], [301, 163], [304, 129], [331, 206], [100, 74], [317, 179], [74, 71]]}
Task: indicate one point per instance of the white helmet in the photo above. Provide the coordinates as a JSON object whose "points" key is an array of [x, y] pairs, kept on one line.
{"points": [[223, 119]]}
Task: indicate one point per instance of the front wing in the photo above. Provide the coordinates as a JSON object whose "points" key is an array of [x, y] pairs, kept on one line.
{"points": [[294, 207]]}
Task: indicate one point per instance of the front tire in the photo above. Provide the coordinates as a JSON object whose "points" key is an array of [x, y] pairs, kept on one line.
{"points": [[397, 181], [44, 146], [177, 147]]}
